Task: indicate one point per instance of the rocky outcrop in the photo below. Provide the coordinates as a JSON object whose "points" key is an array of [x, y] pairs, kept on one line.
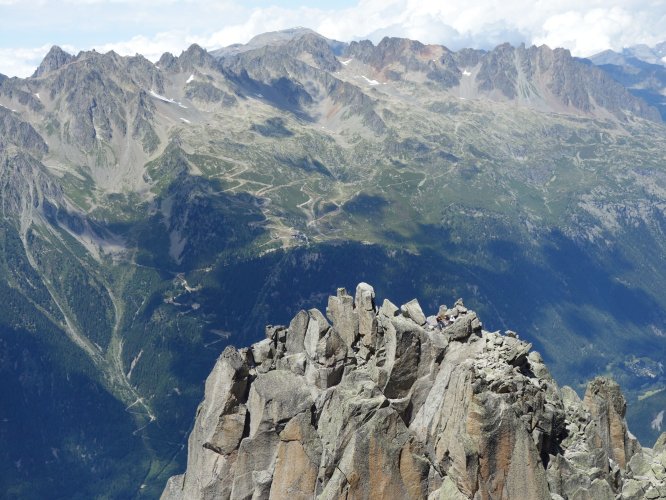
{"points": [[386, 403], [54, 59], [15, 131], [534, 76]]}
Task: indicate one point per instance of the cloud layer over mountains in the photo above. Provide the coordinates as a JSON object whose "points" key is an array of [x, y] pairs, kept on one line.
{"points": [[152, 27]]}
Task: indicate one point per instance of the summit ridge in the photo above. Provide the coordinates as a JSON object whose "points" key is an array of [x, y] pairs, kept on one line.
{"points": [[386, 403]]}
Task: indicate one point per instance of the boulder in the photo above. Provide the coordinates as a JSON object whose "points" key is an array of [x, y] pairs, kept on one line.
{"points": [[296, 332], [388, 309], [262, 351], [341, 312], [463, 326], [316, 329], [413, 311], [404, 364], [367, 316], [607, 407]]}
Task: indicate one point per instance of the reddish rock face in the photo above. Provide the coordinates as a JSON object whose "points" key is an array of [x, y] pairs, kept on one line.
{"points": [[607, 407]]}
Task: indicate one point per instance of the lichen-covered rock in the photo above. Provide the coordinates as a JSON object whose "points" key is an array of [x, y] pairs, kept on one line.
{"points": [[383, 404]]}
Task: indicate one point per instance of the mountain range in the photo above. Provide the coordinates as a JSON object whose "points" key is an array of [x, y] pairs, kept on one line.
{"points": [[154, 213], [641, 69]]}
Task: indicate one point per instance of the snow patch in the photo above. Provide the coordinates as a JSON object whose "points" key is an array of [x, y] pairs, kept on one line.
{"points": [[161, 97], [37, 95], [657, 421], [191, 78], [368, 81], [133, 363], [466, 73], [344, 63], [166, 99], [183, 282], [186, 120]]}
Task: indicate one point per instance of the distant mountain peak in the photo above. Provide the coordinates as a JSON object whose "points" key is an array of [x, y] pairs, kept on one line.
{"points": [[283, 36], [641, 69], [541, 77], [642, 52], [54, 59], [195, 55], [195, 50], [276, 39]]}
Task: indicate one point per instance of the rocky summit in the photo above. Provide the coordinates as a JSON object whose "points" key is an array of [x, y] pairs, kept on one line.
{"points": [[388, 403]]}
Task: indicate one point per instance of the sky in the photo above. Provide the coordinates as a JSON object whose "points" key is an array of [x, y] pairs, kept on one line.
{"points": [[28, 28]]}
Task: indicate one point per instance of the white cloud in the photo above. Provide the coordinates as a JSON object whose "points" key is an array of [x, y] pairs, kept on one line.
{"points": [[21, 62], [151, 48], [172, 25], [583, 27], [594, 30]]}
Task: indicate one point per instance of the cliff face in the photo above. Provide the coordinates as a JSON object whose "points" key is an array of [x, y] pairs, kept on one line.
{"points": [[387, 403], [538, 77]]}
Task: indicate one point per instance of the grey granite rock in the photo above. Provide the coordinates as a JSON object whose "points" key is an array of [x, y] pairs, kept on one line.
{"points": [[412, 310], [364, 300], [297, 329], [406, 410], [340, 311]]}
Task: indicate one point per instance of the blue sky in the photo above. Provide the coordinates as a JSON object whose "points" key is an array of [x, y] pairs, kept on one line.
{"points": [[29, 27]]}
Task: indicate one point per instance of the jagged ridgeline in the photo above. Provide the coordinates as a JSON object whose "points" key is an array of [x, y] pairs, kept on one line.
{"points": [[386, 403]]}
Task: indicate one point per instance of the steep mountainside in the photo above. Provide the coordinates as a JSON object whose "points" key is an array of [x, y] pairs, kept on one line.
{"points": [[545, 79], [386, 403], [643, 74], [154, 213], [642, 52]]}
